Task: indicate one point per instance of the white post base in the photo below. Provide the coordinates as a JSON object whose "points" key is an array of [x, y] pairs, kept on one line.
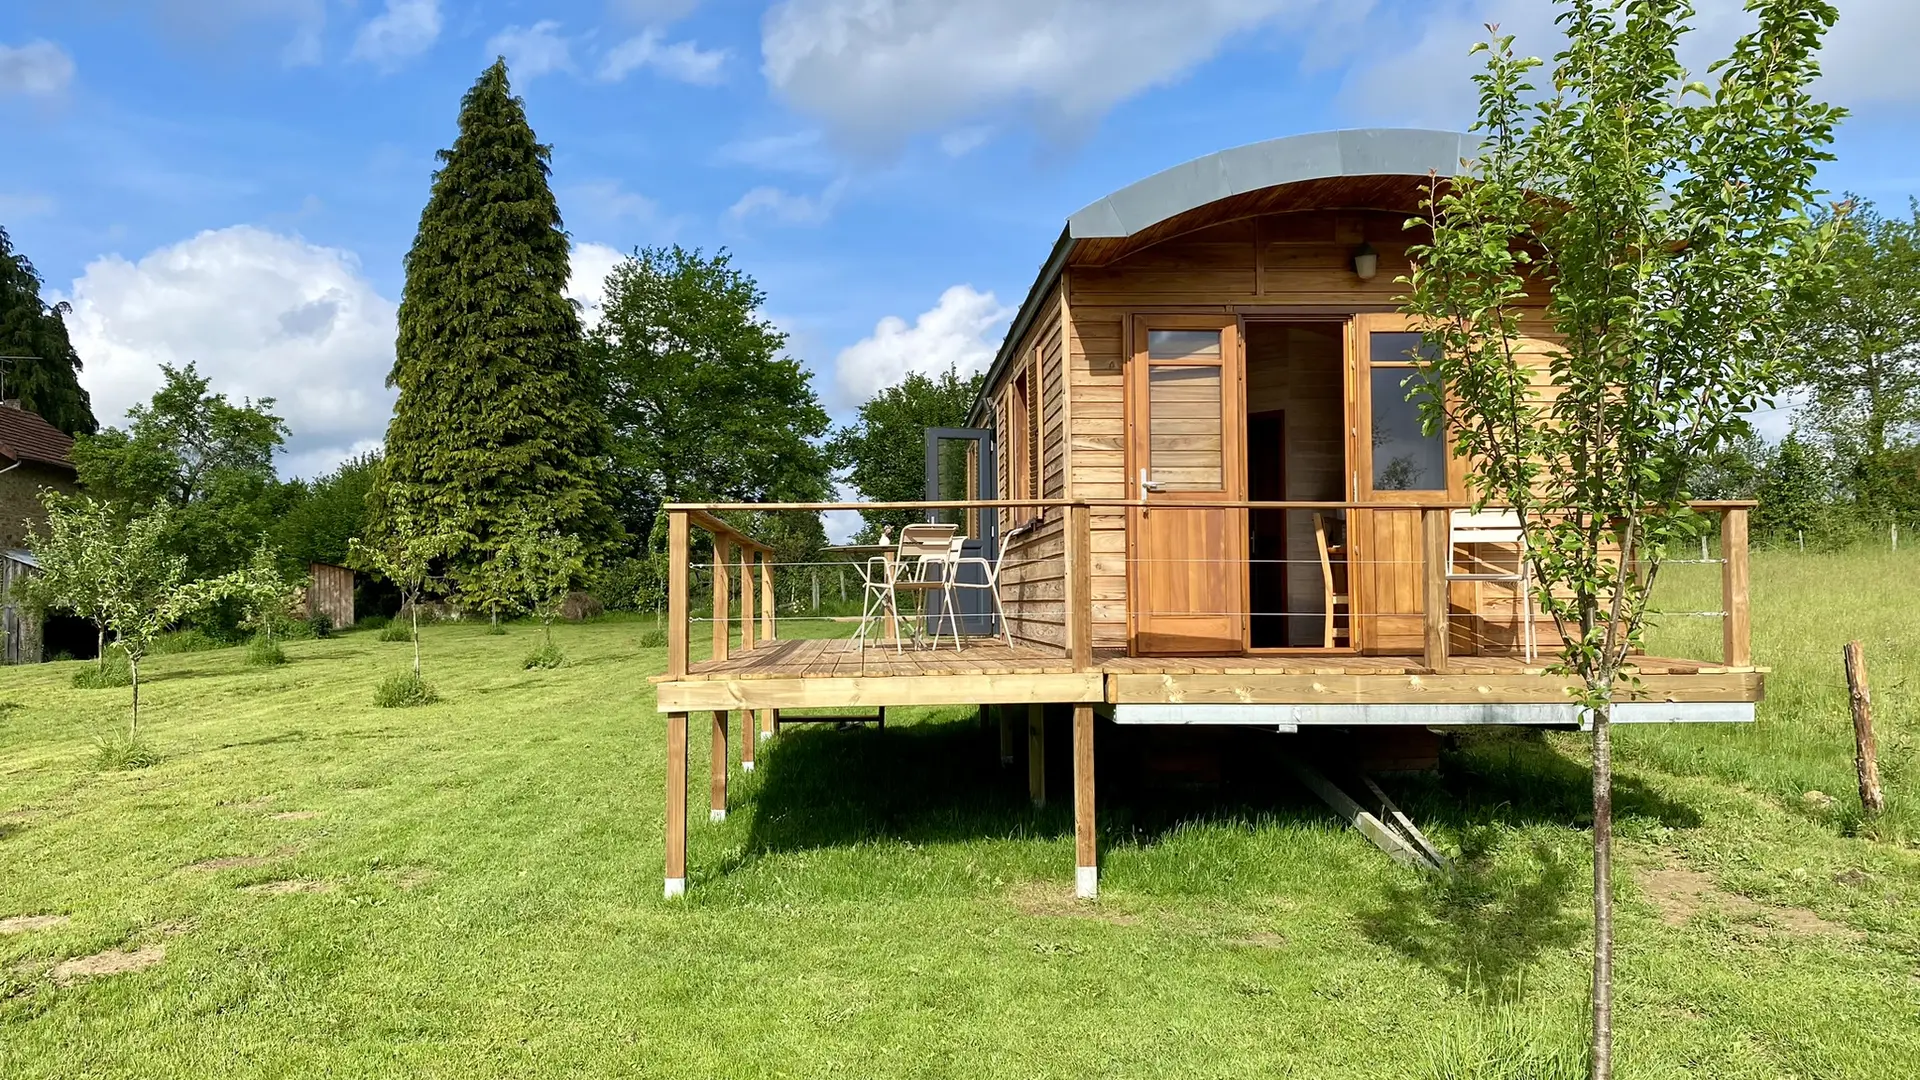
{"points": [[746, 766], [676, 887], [716, 816], [1086, 882], [765, 735]]}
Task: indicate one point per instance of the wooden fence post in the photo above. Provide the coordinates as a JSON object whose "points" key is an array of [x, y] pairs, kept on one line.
{"points": [[1436, 562], [717, 768], [677, 613], [1866, 756], [746, 598], [768, 627], [1737, 625]]}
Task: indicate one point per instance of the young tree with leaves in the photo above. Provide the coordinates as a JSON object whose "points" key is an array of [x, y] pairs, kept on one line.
{"points": [[884, 451], [542, 566], [498, 407], [405, 552], [262, 589], [40, 367], [705, 405], [1671, 221]]}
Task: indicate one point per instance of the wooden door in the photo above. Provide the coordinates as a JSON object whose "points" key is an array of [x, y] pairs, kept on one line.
{"points": [[1186, 421], [1393, 461]]}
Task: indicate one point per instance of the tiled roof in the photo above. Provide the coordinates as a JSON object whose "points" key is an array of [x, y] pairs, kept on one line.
{"points": [[26, 437]]}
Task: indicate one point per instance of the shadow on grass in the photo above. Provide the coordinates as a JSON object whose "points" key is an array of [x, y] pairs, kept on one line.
{"points": [[1516, 777], [1483, 923]]}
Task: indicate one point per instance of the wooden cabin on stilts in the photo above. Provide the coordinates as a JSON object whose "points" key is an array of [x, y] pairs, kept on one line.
{"points": [[1218, 503]]}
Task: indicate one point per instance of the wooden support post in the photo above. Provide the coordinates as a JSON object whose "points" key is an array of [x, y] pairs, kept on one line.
{"points": [[746, 599], [722, 596], [767, 627], [1866, 756], [774, 718], [676, 804], [1086, 850], [1737, 627], [1037, 753], [677, 599], [766, 723], [1079, 589], [717, 767], [1005, 713], [1436, 536]]}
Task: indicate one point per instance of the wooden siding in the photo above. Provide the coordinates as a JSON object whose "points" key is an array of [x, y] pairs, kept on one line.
{"points": [[330, 593], [1033, 584]]}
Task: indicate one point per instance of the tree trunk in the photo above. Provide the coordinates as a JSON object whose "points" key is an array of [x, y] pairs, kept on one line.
{"points": [[414, 616], [1603, 891], [100, 654]]}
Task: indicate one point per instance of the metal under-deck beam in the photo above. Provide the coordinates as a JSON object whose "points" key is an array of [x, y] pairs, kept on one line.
{"points": [[1293, 717]]}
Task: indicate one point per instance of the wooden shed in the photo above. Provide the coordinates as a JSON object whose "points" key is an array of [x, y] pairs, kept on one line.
{"points": [[330, 593], [1219, 503]]}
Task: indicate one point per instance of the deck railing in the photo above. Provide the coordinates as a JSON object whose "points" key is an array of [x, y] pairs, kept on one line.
{"points": [[753, 560]]}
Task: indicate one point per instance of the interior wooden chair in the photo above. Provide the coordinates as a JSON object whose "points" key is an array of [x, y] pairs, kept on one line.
{"points": [[1338, 602], [1497, 526]]}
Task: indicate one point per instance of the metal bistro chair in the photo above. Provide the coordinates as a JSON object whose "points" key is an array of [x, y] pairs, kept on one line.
{"points": [[990, 581], [876, 592], [922, 566], [1501, 526]]}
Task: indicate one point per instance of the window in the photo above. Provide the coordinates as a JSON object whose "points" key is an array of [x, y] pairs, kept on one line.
{"points": [[1019, 439], [1405, 458], [1185, 422]]}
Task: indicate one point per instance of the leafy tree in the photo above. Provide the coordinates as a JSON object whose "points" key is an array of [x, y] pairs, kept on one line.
{"points": [[541, 566], [1861, 338], [498, 408], [1671, 224], [405, 552], [884, 451], [322, 515], [704, 405], [48, 382], [1795, 491], [206, 459], [74, 556], [262, 589]]}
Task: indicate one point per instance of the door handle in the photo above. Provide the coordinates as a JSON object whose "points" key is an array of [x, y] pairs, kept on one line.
{"points": [[1147, 485]]}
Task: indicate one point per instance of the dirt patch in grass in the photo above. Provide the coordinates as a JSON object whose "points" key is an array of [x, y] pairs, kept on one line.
{"points": [[290, 886], [1679, 893], [111, 962], [1040, 900], [26, 924], [295, 815]]}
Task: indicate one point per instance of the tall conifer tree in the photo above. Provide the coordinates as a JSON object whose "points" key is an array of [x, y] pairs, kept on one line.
{"points": [[42, 371], [498, 414]]}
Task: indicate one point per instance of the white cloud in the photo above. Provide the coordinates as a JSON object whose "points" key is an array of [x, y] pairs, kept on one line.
{"points": [[878, 71], [406, 29], [785, 207], [1417, 70], [587, 279], [261, 314], [532, 51], [683, 61], [962, 331], [36, 69], [606, 200], [965, 141]]}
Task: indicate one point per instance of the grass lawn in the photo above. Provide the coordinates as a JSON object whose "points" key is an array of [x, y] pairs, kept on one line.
{"points": [[309, 885]]}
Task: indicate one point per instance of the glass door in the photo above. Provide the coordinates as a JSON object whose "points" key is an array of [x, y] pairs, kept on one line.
{"points": [[960, 468]]}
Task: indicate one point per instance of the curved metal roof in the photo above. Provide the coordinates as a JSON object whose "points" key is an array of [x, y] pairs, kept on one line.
{"points": [[1323, 154]]}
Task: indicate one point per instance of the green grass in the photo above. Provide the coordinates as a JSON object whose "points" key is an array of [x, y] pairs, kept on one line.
{"points": [[472, 888]]}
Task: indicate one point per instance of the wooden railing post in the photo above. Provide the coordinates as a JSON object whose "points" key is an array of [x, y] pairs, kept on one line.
{"points": [[722, 595], [746, 598], [1079, 590], [1737, 626], [1437, 561], [677, 613], [767, 627], [676, 839]]}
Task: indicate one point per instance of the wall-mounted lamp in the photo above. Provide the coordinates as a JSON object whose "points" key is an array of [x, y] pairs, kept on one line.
{"points": [[1366, 262]]}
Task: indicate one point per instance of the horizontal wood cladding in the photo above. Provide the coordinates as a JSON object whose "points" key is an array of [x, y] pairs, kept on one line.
{"points": [[1033, 585]]}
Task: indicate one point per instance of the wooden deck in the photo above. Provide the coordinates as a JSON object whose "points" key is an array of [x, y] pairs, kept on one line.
{"points": [[829, 673]]}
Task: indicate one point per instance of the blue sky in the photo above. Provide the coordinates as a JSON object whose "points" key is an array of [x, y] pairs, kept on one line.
{"points": [[236, 181]]}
